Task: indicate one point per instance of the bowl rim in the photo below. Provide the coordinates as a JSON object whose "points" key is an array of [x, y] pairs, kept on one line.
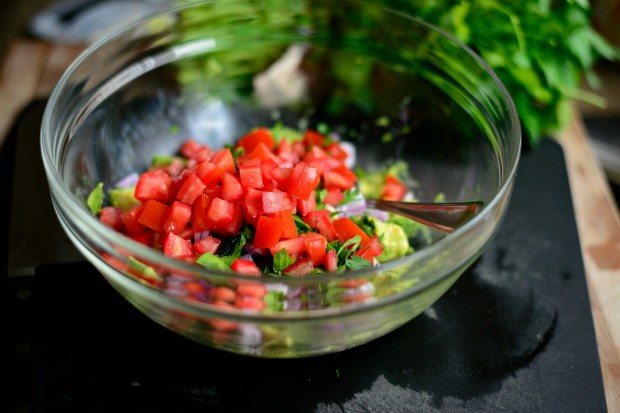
{"points": [[75, 209]]}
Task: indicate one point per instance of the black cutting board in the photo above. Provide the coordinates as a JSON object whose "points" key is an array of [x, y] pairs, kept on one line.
{"points": [[514, 334]]}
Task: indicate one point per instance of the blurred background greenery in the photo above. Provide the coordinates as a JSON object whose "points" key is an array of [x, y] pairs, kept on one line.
{"points": [[542, 50]]}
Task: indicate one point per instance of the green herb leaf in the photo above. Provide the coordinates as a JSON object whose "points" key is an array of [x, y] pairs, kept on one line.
{"points": [[213, 262], [302, 227], [231, 249], [281, 260], [95, 199], [357, 263]]}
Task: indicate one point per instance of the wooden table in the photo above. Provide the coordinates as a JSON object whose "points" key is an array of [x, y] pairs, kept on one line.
{"points": [[32, 68]]}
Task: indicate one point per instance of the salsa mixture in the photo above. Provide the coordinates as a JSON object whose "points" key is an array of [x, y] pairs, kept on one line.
{"points": [[278, 203]]}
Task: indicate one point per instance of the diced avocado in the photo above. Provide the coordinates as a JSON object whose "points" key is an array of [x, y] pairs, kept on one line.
{"points": [[393, 238], [123, 197]]}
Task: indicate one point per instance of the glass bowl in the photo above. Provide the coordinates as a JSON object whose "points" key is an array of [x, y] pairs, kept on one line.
{"points": [[397, 88]]}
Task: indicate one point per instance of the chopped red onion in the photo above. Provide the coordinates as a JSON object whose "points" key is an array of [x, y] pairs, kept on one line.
{"points": [[201, 235], [129, 180], [293, 305], [353, 208], [249, 249], [379, 214], [294, 292], [247, 257]]}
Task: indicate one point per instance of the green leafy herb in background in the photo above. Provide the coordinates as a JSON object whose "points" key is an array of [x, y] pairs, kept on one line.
{"points": [[542, 50]]}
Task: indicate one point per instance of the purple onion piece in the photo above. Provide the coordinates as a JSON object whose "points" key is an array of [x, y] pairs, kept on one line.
{"points": [[294, 292], [249, 249], [379, 214], [293, 305], [247, 257], [200, 235], [129, 180]]}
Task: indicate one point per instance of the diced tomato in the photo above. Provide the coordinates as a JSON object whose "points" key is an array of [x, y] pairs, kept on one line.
{"points": [[295, 247], [290, 228], [312, 217], [214, 192], [335, 179], [304, 207], [145, 237], [262, 152], [268, 232], [315, 153], [312, 138], [130, 219], [281, 176], [232, 228], [393, 189], [231, 188], [326, 227], [331, 261], [285, 152], [370, 249], [207, 244], [316, 246], [111, 216], [303, 181], [223, 158], [177, 247], [246, 267], [176, 217], [277, 201], [259, 136], [252, 205], [299, 148], [267, 167], [220, 213], [191, 189], [155, 185], [336, 151], [174, 168], [189, 147], [200, 210], [251, 175], [347, 229], [299, 268], [152, 215], [333, 197], [209, 173], [343, 170]]}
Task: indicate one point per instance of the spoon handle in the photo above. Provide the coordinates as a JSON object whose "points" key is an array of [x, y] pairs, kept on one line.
{"points": [[445, 217]]}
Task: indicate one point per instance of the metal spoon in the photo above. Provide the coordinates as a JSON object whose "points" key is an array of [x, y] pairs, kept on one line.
{"points": [[445, 217]]}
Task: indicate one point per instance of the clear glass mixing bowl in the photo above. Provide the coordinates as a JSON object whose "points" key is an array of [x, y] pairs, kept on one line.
{"points": [[394, 86]]}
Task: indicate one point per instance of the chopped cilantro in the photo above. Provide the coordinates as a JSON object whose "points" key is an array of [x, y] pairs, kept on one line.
{"points": [[231, 249], [281, 260], [357, 263], [213, 262], [301, 225]]}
